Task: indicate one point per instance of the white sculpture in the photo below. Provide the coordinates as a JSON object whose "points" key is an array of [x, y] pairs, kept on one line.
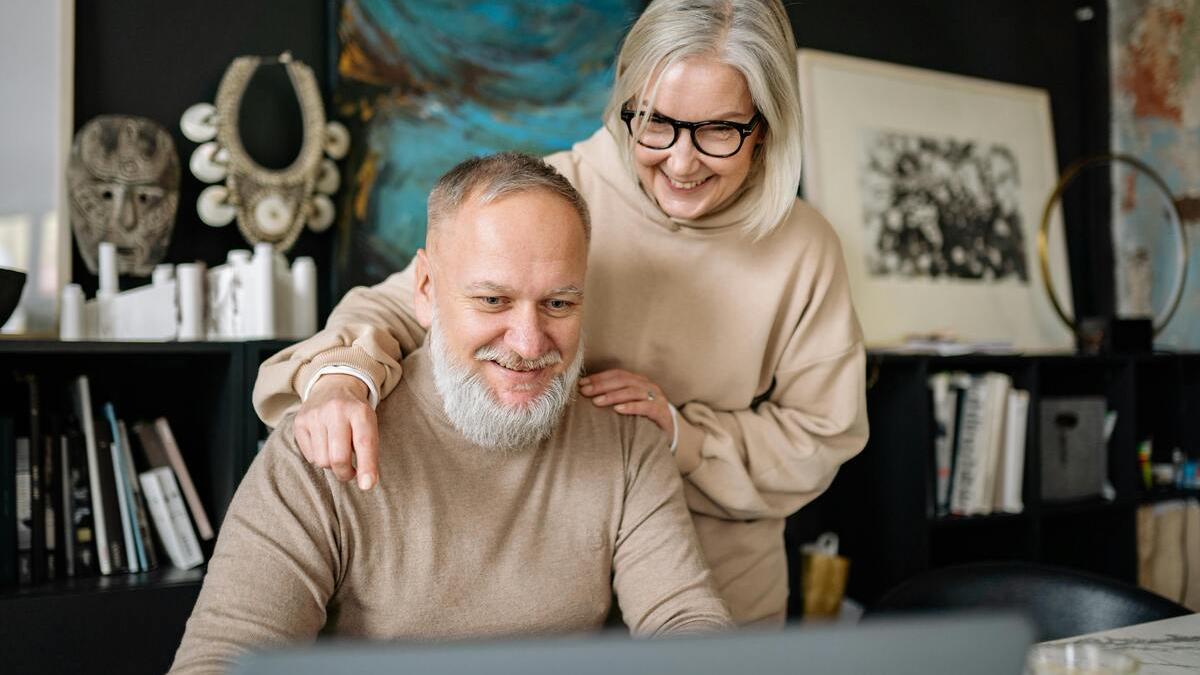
{"points": [[251, 297]]}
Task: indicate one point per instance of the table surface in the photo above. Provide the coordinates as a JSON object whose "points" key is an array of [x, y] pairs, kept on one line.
{"points": [[1167, 647]]}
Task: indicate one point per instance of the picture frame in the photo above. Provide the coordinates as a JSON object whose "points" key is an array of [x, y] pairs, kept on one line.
{"points": [[936, 184]]}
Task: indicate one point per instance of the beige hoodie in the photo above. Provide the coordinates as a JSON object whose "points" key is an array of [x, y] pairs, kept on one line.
{"points": [[756, 343]]}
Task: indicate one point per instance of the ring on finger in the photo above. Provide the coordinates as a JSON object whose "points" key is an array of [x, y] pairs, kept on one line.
{"points": [[649, 395]]}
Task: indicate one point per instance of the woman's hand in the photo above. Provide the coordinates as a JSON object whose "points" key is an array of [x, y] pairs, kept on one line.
{"points": [[336, 429], [629, 394]]}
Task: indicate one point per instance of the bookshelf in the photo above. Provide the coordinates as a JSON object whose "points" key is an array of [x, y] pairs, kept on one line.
{"points": [[881, 504], [132, 623]]}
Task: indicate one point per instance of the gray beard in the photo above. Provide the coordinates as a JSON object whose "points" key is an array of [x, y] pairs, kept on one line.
{"points": [[474, 411]]}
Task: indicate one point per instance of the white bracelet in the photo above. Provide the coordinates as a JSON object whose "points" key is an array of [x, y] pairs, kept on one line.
{"points": [[674, 427], [372, 390]]}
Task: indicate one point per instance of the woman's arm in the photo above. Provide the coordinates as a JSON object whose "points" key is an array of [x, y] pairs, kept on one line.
{"points": [[340, 373], [773, 459], [370, 330]]}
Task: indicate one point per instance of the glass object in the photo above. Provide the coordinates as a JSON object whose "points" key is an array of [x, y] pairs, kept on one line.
{"points": [[1078, 658], [715, 138]]}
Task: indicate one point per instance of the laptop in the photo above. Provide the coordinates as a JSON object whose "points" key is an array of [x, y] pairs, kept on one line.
{"points": [[982, 644]]}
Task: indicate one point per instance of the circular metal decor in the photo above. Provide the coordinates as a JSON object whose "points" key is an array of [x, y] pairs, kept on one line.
{"points": [[1071, 173]]}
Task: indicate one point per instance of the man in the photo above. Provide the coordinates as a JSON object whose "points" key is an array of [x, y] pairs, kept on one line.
{"points": [[510, 510]]}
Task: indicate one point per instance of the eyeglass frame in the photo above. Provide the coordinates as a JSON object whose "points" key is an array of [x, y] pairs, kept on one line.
{"points": [[743, 129]]}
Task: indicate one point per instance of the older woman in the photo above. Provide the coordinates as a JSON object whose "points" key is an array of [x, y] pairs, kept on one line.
{"points": [[717, 302]]}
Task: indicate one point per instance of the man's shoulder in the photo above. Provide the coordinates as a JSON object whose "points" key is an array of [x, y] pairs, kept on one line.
{"points": [[603, 431]]}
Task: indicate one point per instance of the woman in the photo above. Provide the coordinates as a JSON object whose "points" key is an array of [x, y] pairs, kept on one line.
{"points": [[717, 303]]}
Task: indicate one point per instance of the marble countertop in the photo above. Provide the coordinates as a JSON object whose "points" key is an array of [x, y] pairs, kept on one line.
{"points": [[1167, 647]]}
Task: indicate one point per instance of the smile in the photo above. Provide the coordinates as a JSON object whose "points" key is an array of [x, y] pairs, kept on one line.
{"points": [[689, 185], [518, 376]]}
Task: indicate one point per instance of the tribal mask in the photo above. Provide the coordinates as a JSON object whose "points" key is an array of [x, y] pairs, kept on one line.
{"points": [[123, 185]]}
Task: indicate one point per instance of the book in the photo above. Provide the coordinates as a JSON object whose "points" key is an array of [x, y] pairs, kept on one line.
{"points": [[82, 397], [124, 495], [24, 512], [170, 517], [65, 532], [37, 484], [8, 503], [997, 386], [107, 505], [175, 458], [946, 388], [50, 505], [979, 444], [959, 386], [1010, 479], [141, 532], [85, 556]]}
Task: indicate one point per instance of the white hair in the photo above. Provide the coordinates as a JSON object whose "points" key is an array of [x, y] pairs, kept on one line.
{"points": [[473, 409], [752, 36]]}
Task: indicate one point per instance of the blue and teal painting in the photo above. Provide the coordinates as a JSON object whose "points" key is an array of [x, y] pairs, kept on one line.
{"points": [[424, 84]]}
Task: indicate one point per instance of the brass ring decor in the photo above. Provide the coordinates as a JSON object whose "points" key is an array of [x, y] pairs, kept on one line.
{"points": [[1068, 176]]}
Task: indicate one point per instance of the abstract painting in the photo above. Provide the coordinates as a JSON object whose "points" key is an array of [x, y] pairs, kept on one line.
{"points": [[1155, 56], [935, 184], [424, 85]]}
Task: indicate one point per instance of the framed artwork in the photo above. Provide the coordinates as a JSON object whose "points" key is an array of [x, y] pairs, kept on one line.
{"points": [[37, 46], [1156, 118], [935, 184], [425, 85]]}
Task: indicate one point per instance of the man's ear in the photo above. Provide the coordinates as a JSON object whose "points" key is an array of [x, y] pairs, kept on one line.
{"points": [[423, 289]]}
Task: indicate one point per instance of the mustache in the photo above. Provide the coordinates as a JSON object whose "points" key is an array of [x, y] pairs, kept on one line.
{"points": [[514, 361]]}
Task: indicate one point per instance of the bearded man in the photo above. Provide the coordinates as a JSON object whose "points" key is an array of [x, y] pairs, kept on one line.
{"points": [[509, 509]]}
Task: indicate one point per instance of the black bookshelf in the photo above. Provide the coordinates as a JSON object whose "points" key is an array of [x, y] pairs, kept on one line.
{"points": [[132, 623], [881, 503]]}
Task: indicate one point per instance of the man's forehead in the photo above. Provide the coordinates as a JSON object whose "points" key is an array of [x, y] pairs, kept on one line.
{"points": [[500, 288]]}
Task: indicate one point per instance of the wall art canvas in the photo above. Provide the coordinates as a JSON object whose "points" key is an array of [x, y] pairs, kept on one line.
{"points": [[935, 184], [424, 85], [1155, 57]]}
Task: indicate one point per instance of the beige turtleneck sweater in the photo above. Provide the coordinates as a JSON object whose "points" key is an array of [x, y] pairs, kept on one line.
{"points": [[718, 320], [459, 542]]}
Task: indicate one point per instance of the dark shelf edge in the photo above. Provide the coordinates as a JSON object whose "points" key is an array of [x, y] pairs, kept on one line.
{"points": [[1087, 507], [951, 522], [156, 579], [114, 347]]}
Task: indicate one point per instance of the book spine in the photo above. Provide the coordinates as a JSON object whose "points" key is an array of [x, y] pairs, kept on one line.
{"points": [[124, 502], [161, 516], [8, 503], [66, 529], [142, 522], [189, 546], [37, 484], [81, 506], [110, 507], [969, 462], [83, 411], [171, 449], [24, 514], [50, 500]]}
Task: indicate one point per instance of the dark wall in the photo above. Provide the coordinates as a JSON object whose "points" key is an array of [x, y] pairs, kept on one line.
{"points": [[157, 58], [154, 59], [1049, 44]]}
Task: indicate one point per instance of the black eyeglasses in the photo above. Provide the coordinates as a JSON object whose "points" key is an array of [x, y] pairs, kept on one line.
{"points": [[715, 138]]}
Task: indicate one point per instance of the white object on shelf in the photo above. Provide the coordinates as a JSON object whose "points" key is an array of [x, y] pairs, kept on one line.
{"points": [[71, 320]]}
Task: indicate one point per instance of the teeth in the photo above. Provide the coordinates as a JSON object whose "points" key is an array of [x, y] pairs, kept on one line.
{"points": [[685, 186]]}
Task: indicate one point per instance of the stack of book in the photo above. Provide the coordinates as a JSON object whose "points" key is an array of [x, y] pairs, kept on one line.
{"points": [[82, 493], [979, 443]]}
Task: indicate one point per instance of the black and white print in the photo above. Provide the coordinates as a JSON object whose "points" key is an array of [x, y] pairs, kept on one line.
{"points": [[941, 209]]}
